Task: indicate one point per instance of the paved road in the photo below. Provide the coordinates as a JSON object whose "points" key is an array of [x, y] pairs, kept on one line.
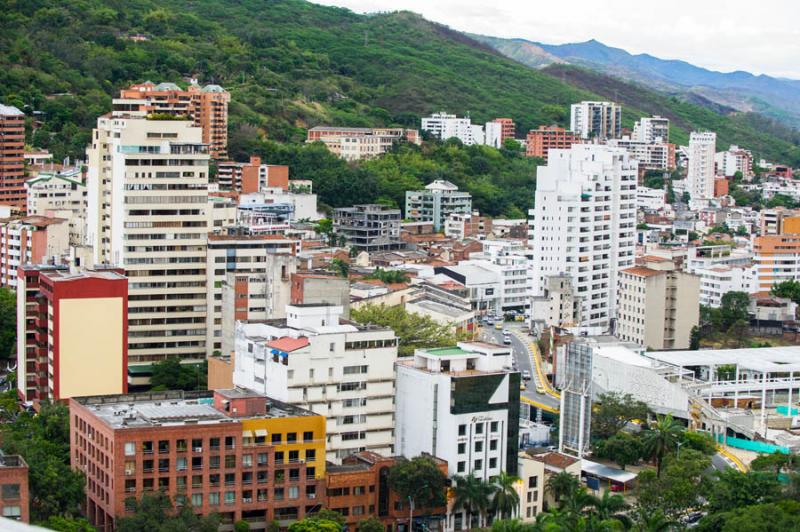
{"points": [[522, 356]]}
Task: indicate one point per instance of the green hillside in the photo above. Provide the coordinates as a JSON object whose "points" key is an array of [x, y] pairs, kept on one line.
{"points": [[291, 65]]}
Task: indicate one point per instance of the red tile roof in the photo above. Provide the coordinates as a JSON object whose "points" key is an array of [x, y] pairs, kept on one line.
{"points": [[288, 344], [641, 271]]}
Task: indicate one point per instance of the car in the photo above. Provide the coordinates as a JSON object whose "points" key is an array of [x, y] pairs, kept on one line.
{"points": [[522, 386], [488, 321], [506, 340], [617, 486], [498, 326], [526, 375], [540, 389]]}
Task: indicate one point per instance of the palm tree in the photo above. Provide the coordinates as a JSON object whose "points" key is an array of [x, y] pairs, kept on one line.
{"points": [[611, 506], [645, 521], [576, 502], [506, 499], [661, 438], [472, 494], [561, 484]]}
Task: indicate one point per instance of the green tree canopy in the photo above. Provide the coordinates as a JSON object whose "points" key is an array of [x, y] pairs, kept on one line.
{"points": [[170, 374], [624, 448], [389, 276], [421, 479], [789, 289], [413, 330], [155, 512], [614, 411], [661, 437], [8, 323], [733, 489], [371, 524]]}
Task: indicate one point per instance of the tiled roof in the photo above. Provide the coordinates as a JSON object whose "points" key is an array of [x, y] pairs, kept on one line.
{"points": [[288, 344], [641, 271]]}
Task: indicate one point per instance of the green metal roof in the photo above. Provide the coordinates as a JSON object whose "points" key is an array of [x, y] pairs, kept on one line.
{"points": [[142, 369], [446, 351]]}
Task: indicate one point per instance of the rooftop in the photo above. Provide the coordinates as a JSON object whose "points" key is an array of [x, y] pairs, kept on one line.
{"points": [[641, 271], [10, 110], [447, 351], [766, 359]]}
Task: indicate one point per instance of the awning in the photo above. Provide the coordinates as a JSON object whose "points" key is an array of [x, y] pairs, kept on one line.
{"points": [[261, 433], [247, 434]]}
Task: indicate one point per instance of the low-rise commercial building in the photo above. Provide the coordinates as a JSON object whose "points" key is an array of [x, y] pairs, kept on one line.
{"points": [[233, 452]]}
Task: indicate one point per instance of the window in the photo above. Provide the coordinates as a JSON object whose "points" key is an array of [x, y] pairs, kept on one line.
{"points": [[213, 462], [279, 457], [130, 448], [294, 456], [492, 463], [478, 465], [230, 497], [277, 494], [461, 467], [197, 500], [213, 499], [197, 444], [462, 430], [230, 461], [479, 428], [163, 446], [462, 448], [276, 438], [180, 446], [14, 512], [478, 446], [311, 455], [294, 492], [533, 482], [494, 426], [359, 490], [10, 492], [262, 459], [493, 445], [291, 437], [358, 510], [180, 482], [247, 460], [181, 464]]}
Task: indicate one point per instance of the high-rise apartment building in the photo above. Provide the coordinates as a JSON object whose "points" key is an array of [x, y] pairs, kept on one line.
{"points": [[439, 200], [30, 240], [444, 126], [233, 452], [206, 106], [652, 129], [651, 155], [498, 130], [546, 138], [147, 213], [12, 158], [776, 258], [57, 312], [596, 120], [733, 160], [658, 305], [461, 404], [700, 175], [336, 368], [252, 176], [62, 195], [584, 225]]}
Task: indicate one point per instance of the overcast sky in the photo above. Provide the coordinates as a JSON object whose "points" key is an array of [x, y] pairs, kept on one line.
{"points": [[761, 36]]}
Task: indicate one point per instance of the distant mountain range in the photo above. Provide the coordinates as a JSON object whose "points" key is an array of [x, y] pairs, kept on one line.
{"points": [[774, 97]]}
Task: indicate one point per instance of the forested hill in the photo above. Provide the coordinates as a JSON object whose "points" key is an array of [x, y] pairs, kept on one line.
{"points": [[289, 65]]}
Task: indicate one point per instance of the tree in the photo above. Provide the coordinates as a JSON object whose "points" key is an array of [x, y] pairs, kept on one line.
{"points": [[733, 489], [512, 525], [389, 276], [614, 411], [413, 330], [789, 289], [661, 437], [371, 524], [561, 484], [733, 307], [505, 501], [645, 521], [623, 448], [155, 512], [694, 338], [726, 372], [170, 374], [314, 524], [779, 516], [611, 506], [778, 463], [68, 524], [43, 442], [680, 487], [421, 479], [241, 526], [8, 323], [473, 495], [341, 267], [699, 441]]}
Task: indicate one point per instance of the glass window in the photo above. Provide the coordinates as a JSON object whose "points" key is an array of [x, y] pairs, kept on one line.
{"points": [[291, 437], [262, 459], [181, 464], [10, 492], [311, 455], [478, 446], [213, 499], [533, 481], [294, 492], [493, 445], [494, 426], [308, 436], [230, 497], [461, 467], [230, 461], [492, 463], [180, 500], [12, 511], [213, 462], [478, 465], [276, 438], [197, 500], [479, 428], [247, 460], [130, 448], [462, 448], [462, 430]]}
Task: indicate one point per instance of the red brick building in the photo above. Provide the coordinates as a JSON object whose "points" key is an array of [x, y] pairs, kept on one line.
{"points": [[233, 452], [546, 138], [58, 311], [14, 498], [359, 488], [252, 176], [12, 157], [507, 130]]}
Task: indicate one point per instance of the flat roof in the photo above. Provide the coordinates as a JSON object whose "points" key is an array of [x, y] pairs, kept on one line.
{"points": [[446, 351], [606, 472], [761, 359]]}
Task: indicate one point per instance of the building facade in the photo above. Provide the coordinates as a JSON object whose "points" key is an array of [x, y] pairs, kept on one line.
{"points": [[584, 225], [356, 143], [733, 160], [56, 312], [439, 200], [252, 176], [444, 126], [461, 404], [30, 240], [600, 120], [546, 138], [12, 160], [14, 494], [700, 176], [148, 201], [576, 399], [369, 227], [338, 369], [61, 195], [651, 130], [233, 452]]}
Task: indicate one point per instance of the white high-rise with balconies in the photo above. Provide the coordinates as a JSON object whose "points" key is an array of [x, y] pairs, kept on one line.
{"points": [[600, 120], [700, 177], [584, 225], [147, 203]]}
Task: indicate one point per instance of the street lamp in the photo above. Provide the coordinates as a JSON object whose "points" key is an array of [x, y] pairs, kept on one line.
{"points": [[678, 452]]}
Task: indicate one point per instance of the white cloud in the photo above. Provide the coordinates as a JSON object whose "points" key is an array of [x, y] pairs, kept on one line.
{"points": [[759, 37]]}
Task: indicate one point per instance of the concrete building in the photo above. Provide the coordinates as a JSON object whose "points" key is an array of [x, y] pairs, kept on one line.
{"points": [[717, 281], [735, 159], [369, 227], [531, 489], [776, 258], [436, 203], [56, 313], [14, 494], [771, 220], [234, 452], [12, 160], [148, 201], [546, 138], [704, 257], [584, 225], [557, 306], [658, 305], [62, 195], [650, 199], [358, 488], [700, 176], [252, 176], [497, 131], [444, 126], [459, 226], [651, 156], [265, 261], [321, 288], [206, 106], [333, 367], [651, 130], [461, 403], [357, 143], [576, 399], [600, 120], [30, 240]]}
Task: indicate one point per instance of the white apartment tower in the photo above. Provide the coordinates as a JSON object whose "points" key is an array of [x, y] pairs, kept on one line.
{"points": [[444, 126], [601, 120], [584, 225], [700, 177], [651, 129], [147, 200]]}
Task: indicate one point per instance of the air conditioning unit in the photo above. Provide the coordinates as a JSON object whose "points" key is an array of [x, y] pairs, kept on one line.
{"points": [[198, 449]]}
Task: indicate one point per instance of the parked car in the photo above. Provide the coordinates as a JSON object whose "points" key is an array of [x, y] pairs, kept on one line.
{"points": [[526, 375]]}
